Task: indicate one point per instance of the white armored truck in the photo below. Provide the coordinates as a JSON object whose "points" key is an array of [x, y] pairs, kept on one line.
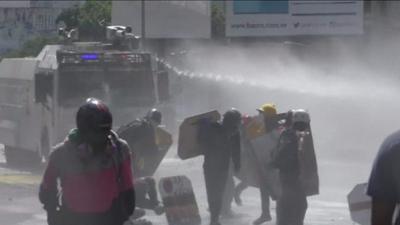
{"points": [[40, 96]]}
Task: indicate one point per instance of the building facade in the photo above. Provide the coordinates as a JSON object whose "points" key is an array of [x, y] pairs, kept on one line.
{"points": [[24, 20]]}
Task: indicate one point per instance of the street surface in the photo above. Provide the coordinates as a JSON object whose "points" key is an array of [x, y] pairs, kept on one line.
{"points": [[19, 204]]}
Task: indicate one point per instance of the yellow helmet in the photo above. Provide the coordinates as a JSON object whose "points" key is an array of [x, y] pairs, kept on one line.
{"points": [[268, 109]]}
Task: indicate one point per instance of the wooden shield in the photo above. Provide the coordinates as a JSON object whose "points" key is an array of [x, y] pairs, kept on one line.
{"points": [[188, 146]]}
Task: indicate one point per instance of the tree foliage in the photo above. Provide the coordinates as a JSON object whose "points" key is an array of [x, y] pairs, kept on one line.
{"points": [[90, 18], [69, 17], [217, 21]]}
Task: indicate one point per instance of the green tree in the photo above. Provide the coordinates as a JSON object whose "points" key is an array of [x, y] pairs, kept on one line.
{"points": [[217, 20], [90, 18], [70, 17], [93, 17]]}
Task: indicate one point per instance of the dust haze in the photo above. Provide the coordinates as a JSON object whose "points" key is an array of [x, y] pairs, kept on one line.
{"points": [[348, 84]]}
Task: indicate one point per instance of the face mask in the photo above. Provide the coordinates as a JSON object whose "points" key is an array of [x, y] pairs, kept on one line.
{"points": [[299, 126], [98, 137]]}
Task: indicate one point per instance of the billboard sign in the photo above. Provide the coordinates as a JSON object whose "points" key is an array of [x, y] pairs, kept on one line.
{"points": [[165, 19], [293, 17]]}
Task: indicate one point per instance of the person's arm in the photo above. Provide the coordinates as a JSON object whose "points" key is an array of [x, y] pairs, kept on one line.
{"points": [[382, 212], [48, 186], [48, 192]]}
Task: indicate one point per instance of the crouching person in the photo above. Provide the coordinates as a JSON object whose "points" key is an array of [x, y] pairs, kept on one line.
{"points": [[88, 179]]}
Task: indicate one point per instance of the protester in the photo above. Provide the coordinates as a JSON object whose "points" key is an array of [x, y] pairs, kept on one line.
{"points": [[141, 136], [269, 113], [292, 205], [221, 143], [88, 179]]}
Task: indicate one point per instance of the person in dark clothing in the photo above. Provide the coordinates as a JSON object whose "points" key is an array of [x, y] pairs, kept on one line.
{"points": [[142, 138], [143, 141], [383, 185], [221, 143], [88, 179], [142, 134], [292, 205]]}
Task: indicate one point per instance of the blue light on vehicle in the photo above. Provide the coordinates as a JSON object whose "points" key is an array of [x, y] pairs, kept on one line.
{"points": [[89, 56]]}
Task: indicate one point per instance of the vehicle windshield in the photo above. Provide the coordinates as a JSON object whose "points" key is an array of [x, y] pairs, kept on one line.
{"points": [[77, 85], [120, 86], [130, 87]]}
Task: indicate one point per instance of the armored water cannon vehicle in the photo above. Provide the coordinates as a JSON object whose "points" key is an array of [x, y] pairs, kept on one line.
{"points": [[40, 96]]}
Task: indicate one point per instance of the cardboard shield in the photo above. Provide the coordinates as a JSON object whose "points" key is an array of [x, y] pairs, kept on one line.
{"points": [[179, 201], [188, 146], [258, 146], [360, 204], [146, 164]]}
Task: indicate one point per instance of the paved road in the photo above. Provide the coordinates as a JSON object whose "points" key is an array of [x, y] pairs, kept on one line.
{"points": [[18, 195], [19, 204]]}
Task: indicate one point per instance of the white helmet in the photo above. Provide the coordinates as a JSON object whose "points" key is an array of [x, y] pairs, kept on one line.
{"points": [[300, 115]]}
